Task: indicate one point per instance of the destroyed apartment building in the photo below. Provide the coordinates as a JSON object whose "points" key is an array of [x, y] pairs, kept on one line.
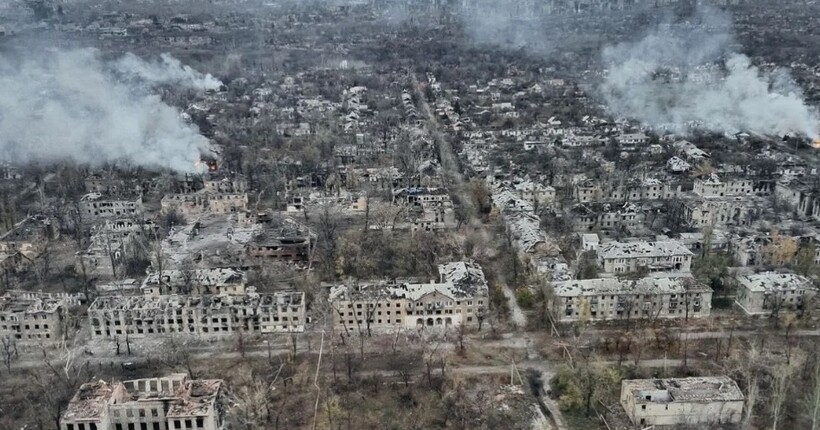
{"points": [[171, 402], [208, 242], [31, 316], [699, 401], [280, 239], [205, 315], [98, 206], [109, 244], [647, 298], [24, 242], [195, 205], [459, 297], [427, 209]]}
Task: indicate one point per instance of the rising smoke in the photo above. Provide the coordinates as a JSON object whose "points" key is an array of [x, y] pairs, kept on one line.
{"points": [[168, 70], [685, 76], [72, 105]]}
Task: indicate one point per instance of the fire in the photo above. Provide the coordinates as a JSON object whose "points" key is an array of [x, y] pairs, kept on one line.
{"points": [[816, 143]]}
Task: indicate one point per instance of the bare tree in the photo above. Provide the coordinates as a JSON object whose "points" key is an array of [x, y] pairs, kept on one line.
{"points": [[9, 350], [781, 377], [812, 400]]}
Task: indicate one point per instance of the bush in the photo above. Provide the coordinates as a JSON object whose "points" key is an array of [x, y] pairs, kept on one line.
{"points": [[524, 297]]}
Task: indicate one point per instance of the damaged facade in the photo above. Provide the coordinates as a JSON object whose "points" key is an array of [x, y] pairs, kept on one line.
{"points": [[682, 401], [200, 315], [646, 298], [164, 403], [29, 316], [772, 292], [459, 297], [624, 257]]}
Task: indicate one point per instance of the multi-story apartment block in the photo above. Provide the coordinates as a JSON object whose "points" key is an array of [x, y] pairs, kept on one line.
{"points": [[217, 281], [29, 316], [587, 191], [697, 402], [459, 297], [613, 298], [95, 206], [713, 186], [772, 292], [201, 315], [722, 211], [623, 257], [202, 203], [165, 403]]}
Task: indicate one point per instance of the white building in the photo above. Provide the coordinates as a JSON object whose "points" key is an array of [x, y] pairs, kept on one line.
{"points": [[612, 298], [459, 297], [171, 402], [772, 292], [199, 316], [713, 186], [623, 257], [696, 402]]}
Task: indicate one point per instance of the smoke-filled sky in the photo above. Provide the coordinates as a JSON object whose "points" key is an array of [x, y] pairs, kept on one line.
{"points": [[72, 105], [685, 76]]}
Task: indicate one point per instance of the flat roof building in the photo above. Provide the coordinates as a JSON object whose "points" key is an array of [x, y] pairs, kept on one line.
{"points": [[675, 401], [772, 292], [612, 298], [171, 402]]}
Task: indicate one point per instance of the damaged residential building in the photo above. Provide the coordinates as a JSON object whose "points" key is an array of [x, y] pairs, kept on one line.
{"points": [[195, 205], [30, 316], [698, 401], [770, 293], [647, 298], [98, 206], [427, 209], [281, 240], [201, 315], [460, 296], [109, 244], [660, 256], [165, 403], [21, 245], [218, 281]]}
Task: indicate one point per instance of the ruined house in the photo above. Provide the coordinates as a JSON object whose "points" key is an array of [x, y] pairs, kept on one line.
{"points": [[170, 402]]}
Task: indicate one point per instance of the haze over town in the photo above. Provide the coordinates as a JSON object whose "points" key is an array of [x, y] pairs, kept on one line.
{"points": [[409, 214]]}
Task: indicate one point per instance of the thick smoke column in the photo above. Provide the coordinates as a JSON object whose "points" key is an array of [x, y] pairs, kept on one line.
{"points": [[68, 105], [684, 77], [168, 70]]}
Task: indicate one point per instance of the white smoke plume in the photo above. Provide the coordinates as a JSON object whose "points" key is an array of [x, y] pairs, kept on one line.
{"points": [[684, 77], [69, 106], [168, 70]]}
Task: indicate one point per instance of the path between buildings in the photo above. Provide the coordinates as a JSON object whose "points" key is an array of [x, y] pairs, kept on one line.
{"points": [[450, 165]]}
